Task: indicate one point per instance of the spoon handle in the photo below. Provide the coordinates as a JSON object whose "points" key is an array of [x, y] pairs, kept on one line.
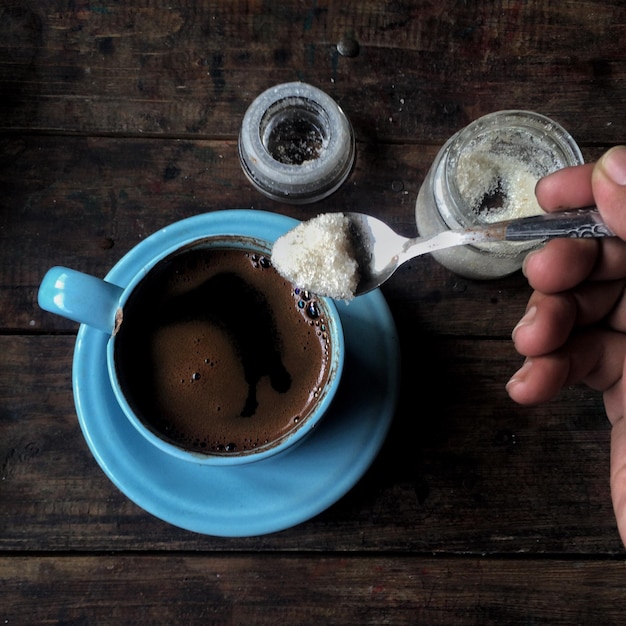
{"points": [[573, 224]]}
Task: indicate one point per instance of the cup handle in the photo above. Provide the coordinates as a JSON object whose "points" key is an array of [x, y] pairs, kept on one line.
{"points": [[82, 298]]}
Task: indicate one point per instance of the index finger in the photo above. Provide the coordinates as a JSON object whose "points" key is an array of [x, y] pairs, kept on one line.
{"points": [[569, 188]]}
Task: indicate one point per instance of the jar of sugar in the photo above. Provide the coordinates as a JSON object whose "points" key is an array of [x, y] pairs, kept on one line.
{"points": [[486, 173]]}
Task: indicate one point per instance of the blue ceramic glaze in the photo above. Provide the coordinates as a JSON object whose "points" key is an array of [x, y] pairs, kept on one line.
{"points": [[275, 493], [99, 304], [80, 297]]}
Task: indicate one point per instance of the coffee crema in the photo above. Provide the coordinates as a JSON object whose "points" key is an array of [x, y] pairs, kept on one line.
{"points": [[217, 353]]}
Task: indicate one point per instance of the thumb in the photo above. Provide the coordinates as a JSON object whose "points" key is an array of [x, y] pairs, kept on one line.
{"points": [[609, 189], [618, 464], [618, 475]]}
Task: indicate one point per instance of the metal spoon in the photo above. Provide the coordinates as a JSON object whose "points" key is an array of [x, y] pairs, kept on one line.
{"points": [[379, 251]]}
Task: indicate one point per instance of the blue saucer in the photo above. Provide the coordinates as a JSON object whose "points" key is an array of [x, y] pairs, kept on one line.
{"points": [[272, 494]]}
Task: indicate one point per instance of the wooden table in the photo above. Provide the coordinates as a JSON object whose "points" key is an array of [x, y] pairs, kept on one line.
{"points": [[118, 118]]}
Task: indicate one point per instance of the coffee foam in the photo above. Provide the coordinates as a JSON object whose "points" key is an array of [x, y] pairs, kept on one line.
{"points": [[218, 353]]}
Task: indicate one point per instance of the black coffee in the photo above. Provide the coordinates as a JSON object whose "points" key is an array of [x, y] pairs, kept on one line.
{"points": [[217, 352]]}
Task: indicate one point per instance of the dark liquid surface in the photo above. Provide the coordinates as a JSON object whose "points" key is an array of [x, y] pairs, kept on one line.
{"points": [[217, 353]]}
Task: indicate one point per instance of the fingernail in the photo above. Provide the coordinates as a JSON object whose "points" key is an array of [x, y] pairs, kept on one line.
{"points": [[527, 320], [520, 375], [526, 260], [613, 164]]}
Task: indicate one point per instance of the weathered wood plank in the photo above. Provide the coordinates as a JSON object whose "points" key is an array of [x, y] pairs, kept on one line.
{"points": [[117, 119], [424, 69], [473, 474], [84, 202], [330, 589]]}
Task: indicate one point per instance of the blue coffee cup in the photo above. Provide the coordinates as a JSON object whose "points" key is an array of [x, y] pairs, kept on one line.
{"points": [[100, 304]]}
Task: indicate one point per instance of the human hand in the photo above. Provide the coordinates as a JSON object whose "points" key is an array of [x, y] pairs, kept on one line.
{"points": [[574, 328]]}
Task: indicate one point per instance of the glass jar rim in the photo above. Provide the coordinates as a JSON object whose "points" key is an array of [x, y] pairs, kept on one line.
{"points": [[546, 135], [311, 179]]}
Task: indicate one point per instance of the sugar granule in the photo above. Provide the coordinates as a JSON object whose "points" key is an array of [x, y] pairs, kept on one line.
{"points": [[317, 255], [496, 166]]}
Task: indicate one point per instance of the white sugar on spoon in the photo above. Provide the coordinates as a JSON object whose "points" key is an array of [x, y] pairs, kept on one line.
{"points": [[318, 255]]}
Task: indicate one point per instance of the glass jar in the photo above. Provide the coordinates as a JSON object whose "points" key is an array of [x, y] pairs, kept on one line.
{"points": [[296, 144], [485, 173]]}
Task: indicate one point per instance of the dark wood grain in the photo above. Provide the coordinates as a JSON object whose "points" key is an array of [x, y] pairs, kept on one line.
{"points": [[284, 589], [463, 469], [119, 118], [424, 69], [85, 202]]}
